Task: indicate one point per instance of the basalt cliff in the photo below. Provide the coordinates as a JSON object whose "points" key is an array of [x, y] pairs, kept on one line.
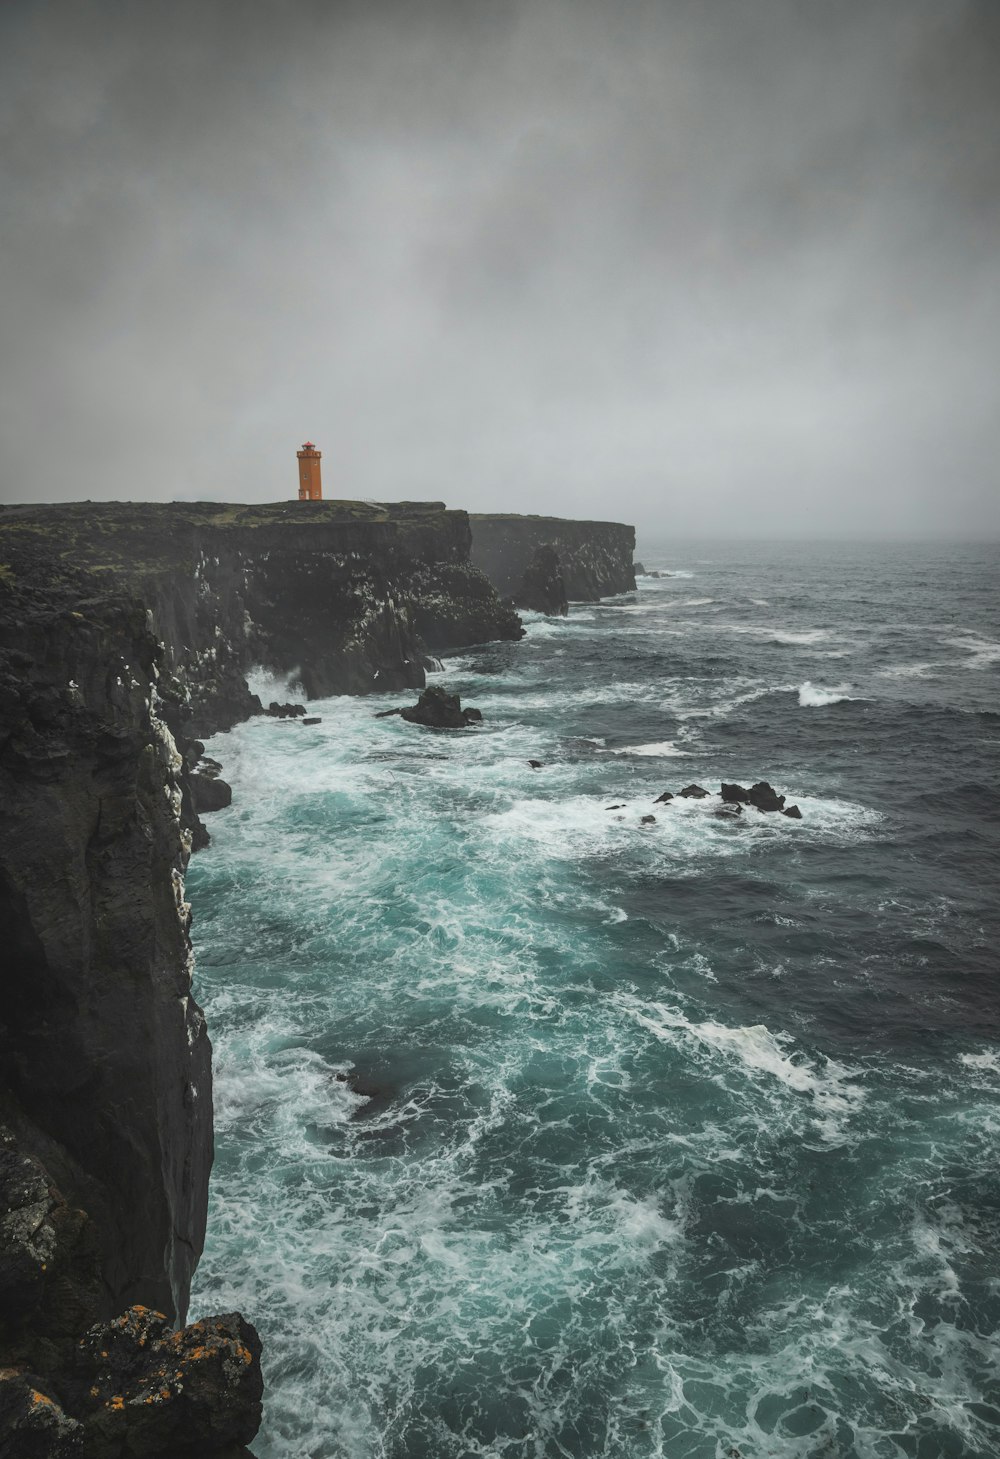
{"points": [[126, 632], [541, 563]]}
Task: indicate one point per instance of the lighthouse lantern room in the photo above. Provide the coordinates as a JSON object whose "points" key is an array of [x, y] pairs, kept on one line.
{"points": [[310, 486]]}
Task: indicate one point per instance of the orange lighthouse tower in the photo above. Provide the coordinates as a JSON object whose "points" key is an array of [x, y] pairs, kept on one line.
{"points": [[310, 486]]}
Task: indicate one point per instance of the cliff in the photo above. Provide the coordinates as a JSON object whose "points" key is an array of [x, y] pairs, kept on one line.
{"points": [[125, 631], [594, 558]]}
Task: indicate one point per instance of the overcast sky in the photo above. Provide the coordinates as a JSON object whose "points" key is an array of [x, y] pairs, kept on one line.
{"points": [[710, 266]]}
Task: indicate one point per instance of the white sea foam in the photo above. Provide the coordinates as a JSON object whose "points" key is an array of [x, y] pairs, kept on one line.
{"points": [[268, 686], [814, 696], [982, 652], [987, 1062], [666, 749], [834, 1095], [803, 637]]}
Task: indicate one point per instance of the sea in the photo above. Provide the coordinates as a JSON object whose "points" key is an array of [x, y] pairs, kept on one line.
{"points": [[548, 1131]]}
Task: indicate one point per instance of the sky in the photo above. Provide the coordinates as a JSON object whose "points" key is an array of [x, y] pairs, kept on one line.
{"points": [[714, 267]]}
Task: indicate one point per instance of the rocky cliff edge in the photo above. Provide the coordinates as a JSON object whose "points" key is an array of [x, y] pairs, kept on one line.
{"points": [[126, 630]]}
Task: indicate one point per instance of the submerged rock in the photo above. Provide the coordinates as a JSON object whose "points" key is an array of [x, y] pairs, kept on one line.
{"points": [[648, 820], [535, 764], [312, 719], [437, 709], [730, 810]]}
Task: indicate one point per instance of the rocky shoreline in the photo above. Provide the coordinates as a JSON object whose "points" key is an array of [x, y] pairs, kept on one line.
{"points": [[126, 635]]}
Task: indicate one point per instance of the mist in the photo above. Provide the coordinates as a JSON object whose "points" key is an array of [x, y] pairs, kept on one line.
{"points": [[709, 266]]}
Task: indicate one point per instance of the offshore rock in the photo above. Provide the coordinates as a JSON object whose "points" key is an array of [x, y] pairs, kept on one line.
{"points": [[667, 795], [285, 711], [437, 709], [541, 589], [764, 797], [595, 558], [793, 812], [694, 792], [735, 794], [210, 793]]}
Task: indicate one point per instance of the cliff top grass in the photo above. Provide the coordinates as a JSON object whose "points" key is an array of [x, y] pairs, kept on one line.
{"points": [[126, 543]]}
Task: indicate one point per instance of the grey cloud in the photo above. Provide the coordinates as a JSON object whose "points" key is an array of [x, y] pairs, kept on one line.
{"points": [[704, 265]]}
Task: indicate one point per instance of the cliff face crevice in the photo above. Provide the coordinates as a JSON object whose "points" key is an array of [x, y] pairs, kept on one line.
{"points": [[594, 558]]}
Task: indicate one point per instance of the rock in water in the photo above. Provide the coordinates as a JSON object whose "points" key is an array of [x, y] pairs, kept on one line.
{"points": [[648, 820], [210, 793], [535, 764], [793, 812], [142, 1389], [437, 709], [735, 794], [729, 810], [765, 797], [662, 799], [694, 792]]}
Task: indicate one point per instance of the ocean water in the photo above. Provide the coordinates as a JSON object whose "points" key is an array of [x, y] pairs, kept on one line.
{"points": [[674, 1139]]}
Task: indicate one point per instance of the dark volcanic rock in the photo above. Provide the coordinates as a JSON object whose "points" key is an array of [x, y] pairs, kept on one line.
{"points": [[103, 1052], [535, 764], [638, 570], [764, 797], [648, 820], [312, 719], [736, 794], [541, 589], [285, 711], [793, 812], [210, 793], [437, 709], [50, 1280], [694, 792], [662, 799], [126, 633], [730, 810], [142, 1389], [595, 558]]}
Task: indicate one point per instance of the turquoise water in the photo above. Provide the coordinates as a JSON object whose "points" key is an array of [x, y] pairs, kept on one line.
{"points": [[673, 1139]]}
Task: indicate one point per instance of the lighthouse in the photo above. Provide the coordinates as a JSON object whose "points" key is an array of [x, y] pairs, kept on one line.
{"points": [[310, 487]]}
